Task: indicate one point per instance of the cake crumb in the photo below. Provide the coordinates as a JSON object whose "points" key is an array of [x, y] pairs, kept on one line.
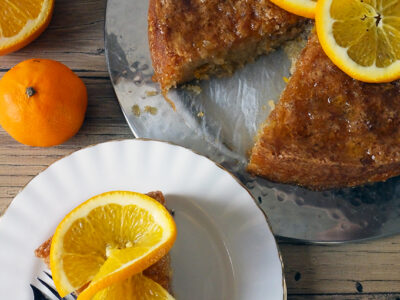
{"points": [[193, 88], [285, 79], [271, 104], [294, 47], [151, 93], [150, 109], [200, 114], [136, 110]]}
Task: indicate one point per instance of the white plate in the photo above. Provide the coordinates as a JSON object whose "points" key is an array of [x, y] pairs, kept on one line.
{"points": [[224, 249]]}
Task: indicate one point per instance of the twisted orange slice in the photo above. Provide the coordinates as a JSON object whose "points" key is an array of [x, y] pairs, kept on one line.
{"points": [[107, 239], [137, 287]]}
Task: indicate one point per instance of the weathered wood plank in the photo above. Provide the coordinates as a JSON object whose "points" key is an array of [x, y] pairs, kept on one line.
{"points": [[376, 296], [8, 192], [368, 266], [75, 37]]}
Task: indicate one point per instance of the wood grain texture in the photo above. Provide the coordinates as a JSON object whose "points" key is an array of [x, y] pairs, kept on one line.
{"points": [[367, 267], [376, 296], [368, 270], [76, 30]]}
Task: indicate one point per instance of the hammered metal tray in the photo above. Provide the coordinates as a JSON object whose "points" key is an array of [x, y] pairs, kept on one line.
{"points": [[219, 119]]}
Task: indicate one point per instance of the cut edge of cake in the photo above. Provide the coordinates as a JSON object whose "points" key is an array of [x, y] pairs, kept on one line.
{"points": [[172, 69], [271, 159]]}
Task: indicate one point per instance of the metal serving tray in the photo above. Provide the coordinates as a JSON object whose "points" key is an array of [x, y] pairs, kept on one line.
{"points": [[220, 122]]}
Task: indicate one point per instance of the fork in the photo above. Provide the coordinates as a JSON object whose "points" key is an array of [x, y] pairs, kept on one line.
{"points": [[39, 292]]}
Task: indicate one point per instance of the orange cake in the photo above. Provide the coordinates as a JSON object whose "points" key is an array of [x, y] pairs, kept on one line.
{"points": [[160, 272], [329, 130], [196, 38]]}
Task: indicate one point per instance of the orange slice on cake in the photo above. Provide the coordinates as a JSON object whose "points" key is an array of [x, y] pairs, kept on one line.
{"points": [[304, 8], [361, 37]]}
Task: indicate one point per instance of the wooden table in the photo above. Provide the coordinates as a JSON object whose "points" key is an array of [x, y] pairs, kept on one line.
{"points": [[368, 270]]}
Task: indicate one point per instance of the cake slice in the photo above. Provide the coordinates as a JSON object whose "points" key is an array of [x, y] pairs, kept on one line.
{"points": [[160, 272], [191, 39], [329, 130]]}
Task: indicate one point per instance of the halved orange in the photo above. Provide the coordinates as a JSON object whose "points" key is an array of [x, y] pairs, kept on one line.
{"points": [[134, 288], [304, 8], [107, 239], [361, 37], [22, 21]]}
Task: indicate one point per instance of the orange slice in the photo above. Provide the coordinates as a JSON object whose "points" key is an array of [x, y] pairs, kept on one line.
{"points": [[304, 8], [134, 288], [107, 239], [22, 21], [361, 37]]}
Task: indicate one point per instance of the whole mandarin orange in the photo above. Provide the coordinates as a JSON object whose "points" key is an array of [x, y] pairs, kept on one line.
{"points": [[42, 102]]}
